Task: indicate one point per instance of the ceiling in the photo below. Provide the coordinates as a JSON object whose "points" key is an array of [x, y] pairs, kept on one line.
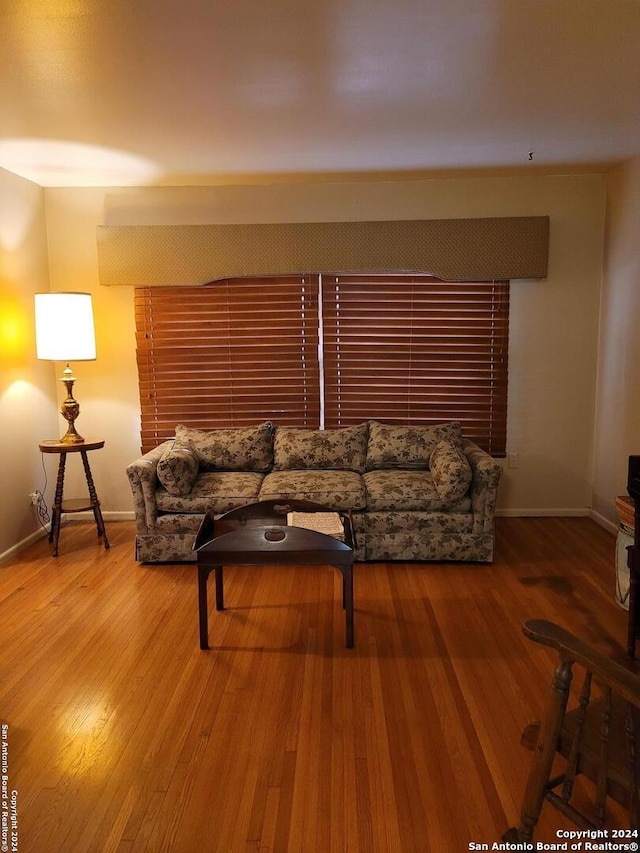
{"points": [[121, 92]]}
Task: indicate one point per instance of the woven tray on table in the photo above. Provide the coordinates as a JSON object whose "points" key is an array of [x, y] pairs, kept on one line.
{"points": [[626, 511]]}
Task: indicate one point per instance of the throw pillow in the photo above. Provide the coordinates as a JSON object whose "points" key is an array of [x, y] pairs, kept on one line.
{"points": [[177, 470], [230, 449], [337, 449], [450, 470], [407, 447]]}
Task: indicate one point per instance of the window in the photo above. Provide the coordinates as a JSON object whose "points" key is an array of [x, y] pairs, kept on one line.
{"points": [[396, 348], [232, 353], [417, 350]]}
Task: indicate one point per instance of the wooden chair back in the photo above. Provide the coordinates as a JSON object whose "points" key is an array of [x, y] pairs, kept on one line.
{"points": [[599, 737]]}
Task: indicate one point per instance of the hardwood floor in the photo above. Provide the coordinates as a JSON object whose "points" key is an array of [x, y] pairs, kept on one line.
{"points": [[124, 736]]}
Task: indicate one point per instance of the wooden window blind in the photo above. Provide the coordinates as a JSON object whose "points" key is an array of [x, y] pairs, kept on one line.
{"points": [[230, 353], [417, 350]]}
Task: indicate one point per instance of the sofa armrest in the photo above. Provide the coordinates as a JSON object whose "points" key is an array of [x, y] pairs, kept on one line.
{"points": [[143, 480], [484, 486]]}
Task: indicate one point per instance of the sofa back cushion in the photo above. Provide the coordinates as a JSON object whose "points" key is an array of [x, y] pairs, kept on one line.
{"points": [[230, 449], [450, 471], [336, 449], [408, 447], [177, 470]]}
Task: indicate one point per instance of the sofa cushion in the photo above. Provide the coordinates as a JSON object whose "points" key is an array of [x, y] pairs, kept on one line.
{"points": [[450, 470], [407, 491], [230, 449], [213, 492], [406, 446], [177, 469], [336, 489], [337, 449]]}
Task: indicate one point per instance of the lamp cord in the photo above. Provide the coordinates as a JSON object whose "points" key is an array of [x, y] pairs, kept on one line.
{"points": [[43, 509]]}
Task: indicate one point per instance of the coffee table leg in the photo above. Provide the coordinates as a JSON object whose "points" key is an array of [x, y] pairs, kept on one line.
{"points": [[203, 609], [347, 602], [349, 605], [219, 588]]}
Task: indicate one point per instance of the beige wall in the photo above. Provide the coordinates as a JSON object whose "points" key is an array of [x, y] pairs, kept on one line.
{"points": [[617, 425], [554, 322], [27, 386]]}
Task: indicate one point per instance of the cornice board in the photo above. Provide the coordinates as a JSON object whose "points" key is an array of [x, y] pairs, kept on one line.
{"points": [[451, 249]]}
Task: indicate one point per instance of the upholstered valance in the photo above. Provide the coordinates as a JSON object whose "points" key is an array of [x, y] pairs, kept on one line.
{"points": [[451, 249]]}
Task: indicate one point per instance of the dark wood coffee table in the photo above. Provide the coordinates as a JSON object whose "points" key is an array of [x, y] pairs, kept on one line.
{"points": [[257, 535]]}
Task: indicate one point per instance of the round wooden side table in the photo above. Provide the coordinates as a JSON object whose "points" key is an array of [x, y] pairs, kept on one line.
{"points": [[75, 504]]}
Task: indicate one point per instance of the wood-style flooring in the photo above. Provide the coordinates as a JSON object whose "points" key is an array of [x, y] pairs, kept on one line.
{"points": [[123, 736]]}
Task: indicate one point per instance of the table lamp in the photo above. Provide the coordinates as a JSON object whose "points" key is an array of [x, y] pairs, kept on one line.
{"points": [[65, 332]]}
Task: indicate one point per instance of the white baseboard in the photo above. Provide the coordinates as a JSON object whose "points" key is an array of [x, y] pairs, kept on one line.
{"points": [[117, 515], [587, 512], [113, 515], [24, 543], [609, 525], [124, 515], [543, 513], [129, 515]]}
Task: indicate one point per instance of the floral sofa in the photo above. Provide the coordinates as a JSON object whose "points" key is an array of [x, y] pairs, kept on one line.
{"points": [[416, 493]]}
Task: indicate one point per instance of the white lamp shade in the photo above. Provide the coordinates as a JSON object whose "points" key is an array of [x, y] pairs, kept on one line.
{"points": [[64, 327]]}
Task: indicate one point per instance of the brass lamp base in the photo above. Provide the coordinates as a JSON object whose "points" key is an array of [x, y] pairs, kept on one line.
{"points": [[70, 409]]}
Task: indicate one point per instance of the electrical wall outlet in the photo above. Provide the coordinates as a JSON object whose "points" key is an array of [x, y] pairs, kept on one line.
{"points": [[35, 497], [513, 460]]}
